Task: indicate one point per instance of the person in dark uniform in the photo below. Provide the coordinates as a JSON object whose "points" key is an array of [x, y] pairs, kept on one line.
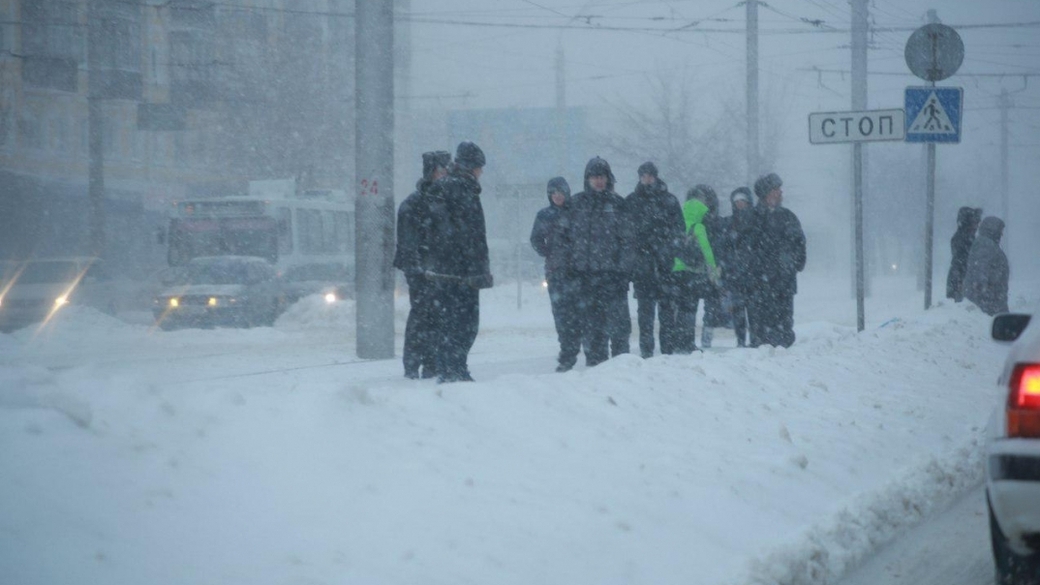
{"points": [[412, 246], [598, 235], [777, 256], [987, 274], [658, 224], [548, 242], [458, 262]]}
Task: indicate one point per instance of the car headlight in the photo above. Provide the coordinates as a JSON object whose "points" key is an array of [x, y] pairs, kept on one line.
{"points": [[212, 301], [330, 298], [175, 302], [61, 301]]}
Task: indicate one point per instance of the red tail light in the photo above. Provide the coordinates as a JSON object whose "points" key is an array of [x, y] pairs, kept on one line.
{"points": [[1023, 413]]}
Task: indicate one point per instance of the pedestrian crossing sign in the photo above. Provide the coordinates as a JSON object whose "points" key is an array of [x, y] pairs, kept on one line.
{"points": [[933, 114]]}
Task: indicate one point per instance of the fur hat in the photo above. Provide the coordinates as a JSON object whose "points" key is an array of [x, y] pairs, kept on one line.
{"points": [[469, 156], [433, 160], [767, 183], [740, 194]]}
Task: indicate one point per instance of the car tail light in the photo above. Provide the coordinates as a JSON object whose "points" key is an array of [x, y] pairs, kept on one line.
{"points": [[1023, 411]]}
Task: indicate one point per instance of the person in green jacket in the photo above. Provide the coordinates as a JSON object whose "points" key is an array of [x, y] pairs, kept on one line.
{"points": [[695, 272]]}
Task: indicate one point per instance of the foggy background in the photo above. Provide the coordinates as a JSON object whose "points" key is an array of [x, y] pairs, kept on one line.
{"points": [[201, 97]]}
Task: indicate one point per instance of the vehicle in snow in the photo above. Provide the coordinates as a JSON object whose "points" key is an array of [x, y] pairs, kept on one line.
{"points": [[232, 291], [36, 290], [308, 236], [1013, 455]]}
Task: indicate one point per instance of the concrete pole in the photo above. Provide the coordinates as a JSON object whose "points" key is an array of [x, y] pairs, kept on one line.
{"points": [[374, 157], [752, 92], [561, 110], [1005, 206], [859, 103], [95, 134], [929, 222]]}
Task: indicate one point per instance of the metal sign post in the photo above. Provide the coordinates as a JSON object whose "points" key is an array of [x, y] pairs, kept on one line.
{"points": [[933, 53], [857, 127]]}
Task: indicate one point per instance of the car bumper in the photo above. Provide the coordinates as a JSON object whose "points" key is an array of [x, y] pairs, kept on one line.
{"points": [[204, 316], [1013, 483]]}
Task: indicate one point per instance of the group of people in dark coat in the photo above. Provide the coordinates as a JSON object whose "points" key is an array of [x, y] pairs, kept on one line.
{"points": [[595, 243], [442, 250], [979, 269]]}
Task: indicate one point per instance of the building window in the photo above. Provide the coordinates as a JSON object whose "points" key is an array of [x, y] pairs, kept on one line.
{"points": [[52, 44]]}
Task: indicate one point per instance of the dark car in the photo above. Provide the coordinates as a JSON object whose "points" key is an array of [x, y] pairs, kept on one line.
{"points": [[1013, 454], [228, 291]]}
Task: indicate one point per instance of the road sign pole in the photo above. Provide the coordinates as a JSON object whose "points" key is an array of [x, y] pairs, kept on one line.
{"points": [[929, 227], [857, 178]]}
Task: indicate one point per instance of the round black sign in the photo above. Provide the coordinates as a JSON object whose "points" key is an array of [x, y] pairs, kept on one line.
{"points": [[934, 52]]}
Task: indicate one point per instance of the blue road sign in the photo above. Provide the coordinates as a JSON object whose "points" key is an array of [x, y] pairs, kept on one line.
{"points": [[933, 114]]}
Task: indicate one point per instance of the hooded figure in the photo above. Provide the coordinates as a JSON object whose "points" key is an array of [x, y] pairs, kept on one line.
{"points": [[986, 279], [657, 220], [968, 219], [548, 241], [598, 236], [736, 259], [694, 268], [413, 221]]}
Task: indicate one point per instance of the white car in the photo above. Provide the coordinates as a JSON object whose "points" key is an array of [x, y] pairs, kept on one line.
{"points": [[36, 290], [1013, 455], [229, 291]]}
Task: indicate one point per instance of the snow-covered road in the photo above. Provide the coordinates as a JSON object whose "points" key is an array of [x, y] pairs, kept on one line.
{"points": [[273, 455]]}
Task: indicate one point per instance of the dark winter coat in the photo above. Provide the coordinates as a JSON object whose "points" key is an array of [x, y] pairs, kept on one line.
{"points": [[960, 246], [458, 233], [777, 249], [986, 279], [413, 226], [547, 237], [658, 227], [735, 251], [599, 231]]}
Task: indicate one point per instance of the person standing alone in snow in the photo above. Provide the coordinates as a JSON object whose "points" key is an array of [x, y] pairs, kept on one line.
{"points": [[547, 240], [658, 226], [986, 279], [459, 264], [412, 246]]}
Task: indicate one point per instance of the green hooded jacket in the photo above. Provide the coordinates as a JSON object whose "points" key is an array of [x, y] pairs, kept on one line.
{"points": [[693, 213]]}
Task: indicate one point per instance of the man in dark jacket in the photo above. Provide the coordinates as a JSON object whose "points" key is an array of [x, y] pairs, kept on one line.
{"points": [[458, 262], [736, 259], [778, 255], [598, 235], [968, 219], [657, 220], [547, 240], [986, 279], [412, 247]]}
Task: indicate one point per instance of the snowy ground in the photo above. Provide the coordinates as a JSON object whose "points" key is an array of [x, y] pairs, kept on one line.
{"points": [[130, 455]]}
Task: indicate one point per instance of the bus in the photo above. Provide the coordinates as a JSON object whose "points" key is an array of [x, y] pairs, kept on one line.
{"points": [[309, 238]]}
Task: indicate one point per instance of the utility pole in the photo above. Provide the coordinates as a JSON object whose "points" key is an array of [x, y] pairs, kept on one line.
{"points": [[1005, 205], [561, 109], [929, 229], [374, 156], [95, 133], [859, 103], [752, 91]]}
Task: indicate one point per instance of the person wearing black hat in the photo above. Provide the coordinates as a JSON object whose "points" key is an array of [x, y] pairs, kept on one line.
{"points": [[547, 241], [968, 219], [736, 259], [410, 256], [599, 238], [658, 226], [778, 255], [458, 261]]}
